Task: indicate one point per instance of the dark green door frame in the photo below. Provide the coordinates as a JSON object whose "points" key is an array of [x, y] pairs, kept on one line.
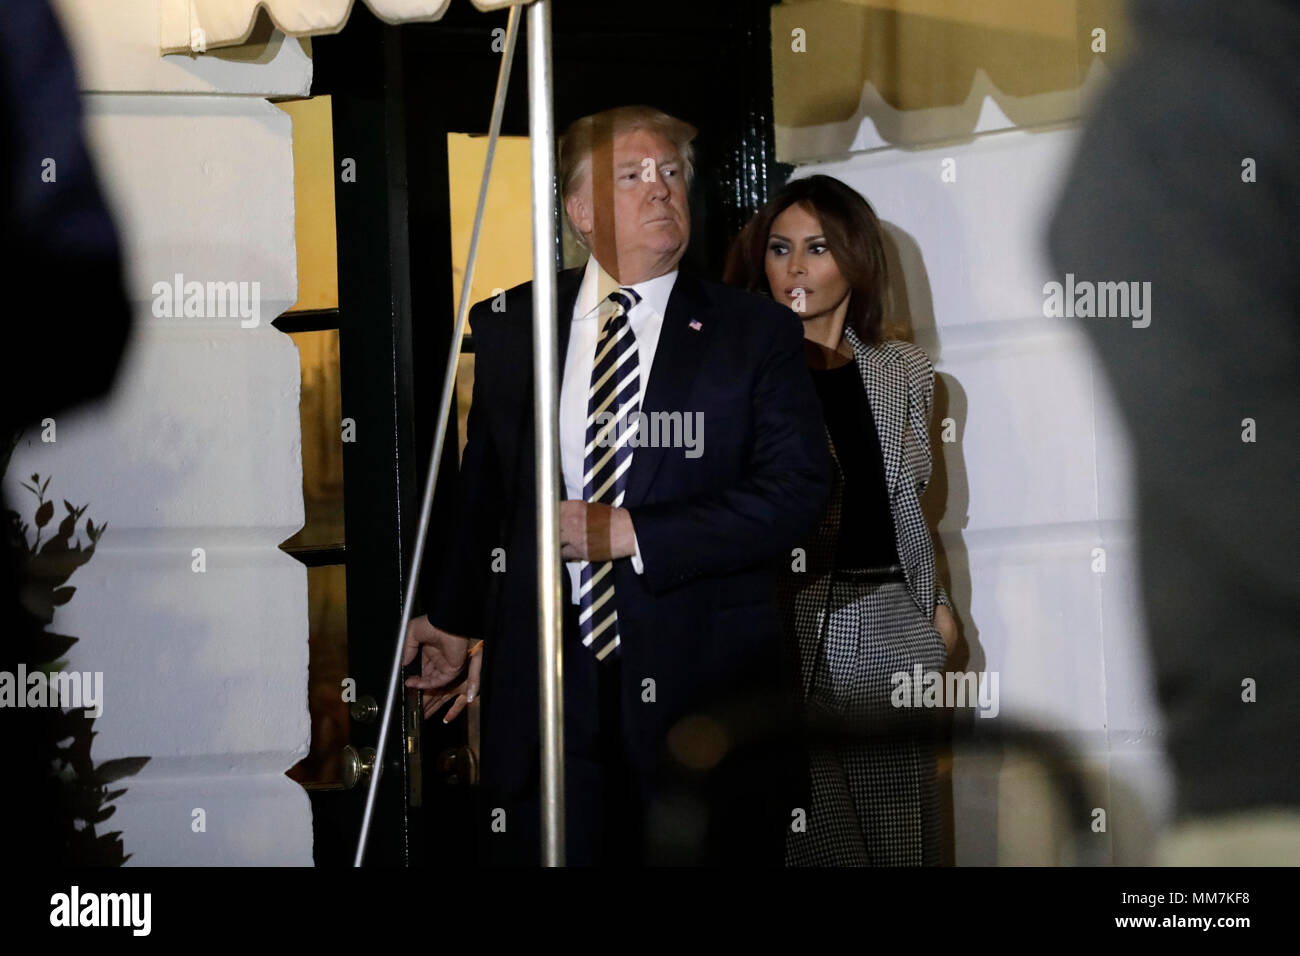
{"points": [[397, 93]]}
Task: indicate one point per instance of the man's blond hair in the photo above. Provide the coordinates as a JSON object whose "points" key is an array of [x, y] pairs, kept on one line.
{"points": [[585, 133]]}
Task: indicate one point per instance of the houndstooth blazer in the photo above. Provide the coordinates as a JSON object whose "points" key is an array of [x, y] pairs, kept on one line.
{"points": [[899, 381]]}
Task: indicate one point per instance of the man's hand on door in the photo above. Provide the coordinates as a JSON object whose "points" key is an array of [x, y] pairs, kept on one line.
{"points": [[443, 672]]}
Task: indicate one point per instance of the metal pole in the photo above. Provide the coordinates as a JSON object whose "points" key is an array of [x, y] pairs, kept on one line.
{"points": [[546, 409], [444, 415]]}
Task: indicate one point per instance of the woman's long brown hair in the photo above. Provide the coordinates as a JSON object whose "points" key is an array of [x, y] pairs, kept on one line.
{"points": [[853, 235]]}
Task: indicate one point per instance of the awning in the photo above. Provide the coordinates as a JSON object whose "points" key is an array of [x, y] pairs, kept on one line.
{"points": [[195, 26], [1020, 16]]}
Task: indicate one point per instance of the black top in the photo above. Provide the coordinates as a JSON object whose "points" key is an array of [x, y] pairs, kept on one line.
{"points": [[866, 533]]}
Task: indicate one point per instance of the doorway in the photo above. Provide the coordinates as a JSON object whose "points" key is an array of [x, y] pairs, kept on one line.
{"points": [[408, 108]]}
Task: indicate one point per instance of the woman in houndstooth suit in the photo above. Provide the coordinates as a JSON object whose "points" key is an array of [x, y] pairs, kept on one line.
{"points": [[865, 603]]}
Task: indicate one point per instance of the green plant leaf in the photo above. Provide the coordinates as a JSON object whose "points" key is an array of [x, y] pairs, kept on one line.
{"points": [[111, 770], [49, 646], [47, 565], [72, 723], [106, 850], [85, 802]]}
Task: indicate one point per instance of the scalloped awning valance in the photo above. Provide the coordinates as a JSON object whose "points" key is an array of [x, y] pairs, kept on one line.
{"points": [[195, 26]]}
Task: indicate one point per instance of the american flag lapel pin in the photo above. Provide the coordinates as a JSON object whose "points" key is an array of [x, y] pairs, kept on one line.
{"points": [[696, 325]]}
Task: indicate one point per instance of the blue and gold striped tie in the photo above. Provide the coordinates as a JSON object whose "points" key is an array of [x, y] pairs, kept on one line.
{"points": [[612, 402]]}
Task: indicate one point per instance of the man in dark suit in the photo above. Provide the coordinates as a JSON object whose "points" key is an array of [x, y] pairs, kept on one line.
{"points": [[694, 459]]}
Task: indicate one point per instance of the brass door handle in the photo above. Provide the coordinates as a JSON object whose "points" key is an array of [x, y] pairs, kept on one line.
{"points": [[458, 766], [364, 710], [357, 764]]}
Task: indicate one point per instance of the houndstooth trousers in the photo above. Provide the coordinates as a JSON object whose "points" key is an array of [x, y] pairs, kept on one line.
{"points": [[875, 798]]}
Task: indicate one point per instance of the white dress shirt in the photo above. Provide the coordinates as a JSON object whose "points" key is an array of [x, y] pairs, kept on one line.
{"points": [[646, 319]]}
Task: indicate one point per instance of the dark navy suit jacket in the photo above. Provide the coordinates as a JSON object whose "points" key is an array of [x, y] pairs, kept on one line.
{"points": [[701, 620]]}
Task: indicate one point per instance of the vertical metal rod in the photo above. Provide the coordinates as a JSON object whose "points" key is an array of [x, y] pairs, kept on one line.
{"points": [[546, 409], [440, 433]]}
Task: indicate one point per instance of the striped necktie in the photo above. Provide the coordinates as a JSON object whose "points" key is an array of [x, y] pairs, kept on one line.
{"points": [[614, 397]]}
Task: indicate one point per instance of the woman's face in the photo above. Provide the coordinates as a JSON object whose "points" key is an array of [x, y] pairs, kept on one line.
{"points": [[801, 272]]}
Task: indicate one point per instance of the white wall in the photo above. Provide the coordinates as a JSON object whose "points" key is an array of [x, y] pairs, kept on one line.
{"points": [[1038, 476], [198, 447]]}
